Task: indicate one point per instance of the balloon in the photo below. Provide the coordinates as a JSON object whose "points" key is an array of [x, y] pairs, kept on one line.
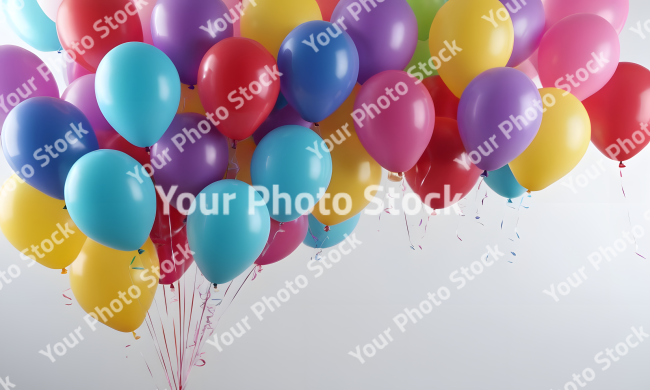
{"points": [[110, 139], [138, 92], [418, 67], [479, 29], [88, 29], [232, 64], [560, 144], [503, 182], [225, 244], [283, 117], [144, 12], [280, 103], [444, 174], [81, 93], [186, 30], [269, 22], [425, 11], [385, 35], [42, 138], [111, 200], [620, 113], [20, 78], [190, 155], [31, 24], [317, 77], [116, 288], [175, 258], [50, 7], [614, 11], [167, 223], [353, 170], [232, 6], [38, 225], [291, 160], [74, 71], [528, 23], [190, 101], [394, 119], [445, 102], [284, 238], [498, 117], [244, 154], [583, 64], [326, 8], [528, 69], [317, 237]]}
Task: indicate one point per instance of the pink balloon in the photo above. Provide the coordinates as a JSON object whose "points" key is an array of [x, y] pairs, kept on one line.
{"points": [[74, 71], [81, 93], [145, 20], [579, 54], [283, 240], [175, 258], [232, 4], [614, 11], [394, 119]]}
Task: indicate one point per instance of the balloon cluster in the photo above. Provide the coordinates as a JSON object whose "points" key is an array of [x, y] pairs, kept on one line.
{"points": [[226, 133]]}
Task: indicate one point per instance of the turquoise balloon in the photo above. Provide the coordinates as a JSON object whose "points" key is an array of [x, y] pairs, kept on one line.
{"points": [[291, 160], [503, 182], [138, 90], [226, 240], [27, 19], [108, 205], [317, 237]]}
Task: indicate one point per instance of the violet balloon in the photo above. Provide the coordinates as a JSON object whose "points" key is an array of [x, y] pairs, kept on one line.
{"points": [[81, 93], [283, 240], [528, 21], [191, 155], [394, 119], [186, 30], [282, 117], [385, 34], [499, 115]]}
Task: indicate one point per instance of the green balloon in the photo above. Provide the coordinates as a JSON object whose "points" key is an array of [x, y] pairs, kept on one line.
{"points": [[421, 55], [425, 11]]}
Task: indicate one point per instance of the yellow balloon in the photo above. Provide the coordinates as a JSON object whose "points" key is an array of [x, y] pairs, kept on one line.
{"points": [[190, 101], [468, 37], [244, 155], [38, 225], [270, 21], [353, 170], [115, 287], [560, 144]]}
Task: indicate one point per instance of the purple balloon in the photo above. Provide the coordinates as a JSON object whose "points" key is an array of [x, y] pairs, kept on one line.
{"points": [[20, 79], [528, 20], [385, 35], [186, 30], [499, 115], [283, 117], [81, 93], [198, 156]]}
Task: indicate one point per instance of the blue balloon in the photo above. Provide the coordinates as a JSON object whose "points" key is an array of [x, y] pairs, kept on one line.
{"points": [[42, 138], [280, 103], [317, 237], [291, 162], [138, 90], [503, 182], [111, 200], [27, 19], [318, 75], [227, 239]]}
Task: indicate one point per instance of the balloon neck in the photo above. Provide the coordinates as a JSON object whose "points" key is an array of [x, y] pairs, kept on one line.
{"points": [[529, 192], [621, 165], [395, 177], [64, 271], [484, 174], [316, 128], [65, 207], [171, 287], [135, 336], [509, 200], [147, 150], [191, 87], [327, 228], [234, 144], [215, 286]]}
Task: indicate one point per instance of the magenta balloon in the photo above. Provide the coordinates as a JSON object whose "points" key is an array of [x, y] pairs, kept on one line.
{"points": [[579, 54], [385, 35], [81, 93], [394, 119], [20, 79], [614, 11], [174, 258], [198, 156], [283, 117], [283, 240], [74, 71], [499, 115], [528, 21]]}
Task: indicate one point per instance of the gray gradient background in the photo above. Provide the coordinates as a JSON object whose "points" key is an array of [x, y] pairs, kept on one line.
{"points": [[500, 332]]}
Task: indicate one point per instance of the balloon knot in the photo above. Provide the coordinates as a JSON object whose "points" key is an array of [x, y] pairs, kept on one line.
{"points": [[64, 271], [215, 286], [191, 87], [528, 192], [484, 174], [509, 200], [234, 144], [135, 336], [621, 165], [395, 177], [172, 287], [185, 220], [327, 228], [146, 149], [140, 251], [65, 207]]}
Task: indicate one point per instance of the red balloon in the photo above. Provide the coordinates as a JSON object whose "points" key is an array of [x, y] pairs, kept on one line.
{"points": [[239, 84], [166, 225], [282, 243], [90, 29], [327, 8], [175, 258], [111, 139], [444, 173], [620, 113], [445, 102]]}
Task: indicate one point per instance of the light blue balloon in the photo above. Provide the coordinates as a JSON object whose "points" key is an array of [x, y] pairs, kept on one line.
{"points": [[108, 205], [317, 237], [226, 240], [27, 19], [138, 90], [503, 182], [296, 161]]}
